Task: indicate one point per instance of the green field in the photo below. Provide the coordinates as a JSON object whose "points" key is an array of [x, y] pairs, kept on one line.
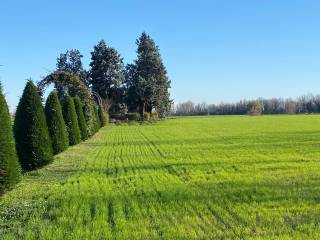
{"points": [[234, 177]]}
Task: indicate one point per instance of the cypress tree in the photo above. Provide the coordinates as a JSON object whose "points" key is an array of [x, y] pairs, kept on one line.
{"points": [[97, 119], [147, 80], [57, 128], [71, 120], [9, 165], [33, 142], [89, 117], [106, 71], [102, 117], [81, 120]]}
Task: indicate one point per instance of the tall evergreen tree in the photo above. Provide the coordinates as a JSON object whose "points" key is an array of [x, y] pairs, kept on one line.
{"points": [[102, 118], [71, 120], [33, 142], [147, 80], [57, 128], [107, 76], [81, 120], [9, 165], [71, 62]]}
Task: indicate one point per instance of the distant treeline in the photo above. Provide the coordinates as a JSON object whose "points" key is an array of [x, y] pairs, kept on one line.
{"points": [[304, 104]]}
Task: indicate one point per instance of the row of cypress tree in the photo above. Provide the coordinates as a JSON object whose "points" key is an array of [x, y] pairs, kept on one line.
{"points": [[39, 132]]}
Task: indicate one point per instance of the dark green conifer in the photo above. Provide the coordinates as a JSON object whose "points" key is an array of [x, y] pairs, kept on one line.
{"points": [[71, 120], [9, 165], [57, 128], [81, 120], [33, 142], [102, 118], [96, 120], [96, 115]]}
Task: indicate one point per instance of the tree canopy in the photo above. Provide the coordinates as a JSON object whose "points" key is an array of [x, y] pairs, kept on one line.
{"points": [[147, 80], [71, 62], [106, 73]]}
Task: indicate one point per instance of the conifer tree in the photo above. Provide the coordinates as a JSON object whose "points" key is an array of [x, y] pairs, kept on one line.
{"points": [[102, 118], [9, 165], [57, 128], [147, 79], [106, 73], [71, 120], [71, 62], [33, 142], [81, 120], [89, 117], [97, 123]]}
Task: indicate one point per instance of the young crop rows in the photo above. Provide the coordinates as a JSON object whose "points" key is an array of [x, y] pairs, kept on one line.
{"points": [[185, 178]]}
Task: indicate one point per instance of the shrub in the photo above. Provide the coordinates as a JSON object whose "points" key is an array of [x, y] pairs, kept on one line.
{"points": [[118, 116], [254, 108], [81, 120], [146, 116], [154, 116], [134, 116], [71, 120], [95, 119], [102, 118], [57, 128], [107, 117], [89, 117], [33, 142], [9, 165]]}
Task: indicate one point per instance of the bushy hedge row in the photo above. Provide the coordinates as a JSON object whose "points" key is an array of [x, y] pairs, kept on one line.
{"points": [[40, 132], [9, 166], [81, 120], [134, 116], [71, 120]]}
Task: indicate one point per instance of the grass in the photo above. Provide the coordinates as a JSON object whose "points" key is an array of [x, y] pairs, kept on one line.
{"points": [[223, 177]]}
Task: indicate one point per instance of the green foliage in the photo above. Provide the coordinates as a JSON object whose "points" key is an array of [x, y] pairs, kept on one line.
{"points": [[66, 83], [33, 142], [57, 128], [97, 123], [102, 117], [154, 116], [118, 116], [107, 72], [71, 120], [107, 118], [81, 119], [147, 80], [9, 165], [70, 62], [254, 108], [191, 178], [94, 119], [146, 116], [134, 116]]}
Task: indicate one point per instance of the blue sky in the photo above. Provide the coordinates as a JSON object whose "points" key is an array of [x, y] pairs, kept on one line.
{"points": [[214, 50]]}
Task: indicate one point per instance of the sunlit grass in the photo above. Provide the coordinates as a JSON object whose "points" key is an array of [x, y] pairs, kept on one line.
{"points": [[187, 178]]}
